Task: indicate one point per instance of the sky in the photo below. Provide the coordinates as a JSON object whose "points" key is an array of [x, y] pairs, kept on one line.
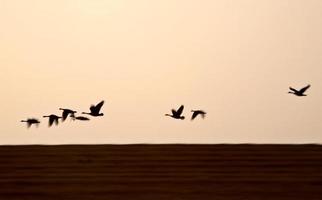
{"points": [[233, 59]]}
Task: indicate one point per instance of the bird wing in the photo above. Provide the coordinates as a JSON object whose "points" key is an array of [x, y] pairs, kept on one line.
{"points": [[179, 111], [305, 88], [56, 120], [174, 112], [29, 124], [203, 115], [65, 115], [194, 115], [51, 121], [99, 106], [294, 90], [92, 108]]}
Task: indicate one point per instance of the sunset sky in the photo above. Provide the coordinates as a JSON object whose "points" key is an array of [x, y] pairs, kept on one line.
{"points": [[234, 59]]}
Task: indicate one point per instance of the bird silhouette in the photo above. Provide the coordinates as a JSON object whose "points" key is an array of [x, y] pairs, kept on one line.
{"points": [[31, 121], [95, 110], [198, 112], [52, 119], [300, 92], [67, 112], [176, 114], [81, 118]]}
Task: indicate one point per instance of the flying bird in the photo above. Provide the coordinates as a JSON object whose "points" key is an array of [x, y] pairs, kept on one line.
{"points": [[95, 110], [176, 114], [300, 92], [31, 121], [67, 112], [198, 112], [52, 119], [81, 118]]}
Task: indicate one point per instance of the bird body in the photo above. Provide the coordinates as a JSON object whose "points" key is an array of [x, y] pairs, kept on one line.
{"points": [[52, 119], [95, 110], [66, 113], [300, 92], [176, 114], [31, 121], [198, 112], [81, 118]]}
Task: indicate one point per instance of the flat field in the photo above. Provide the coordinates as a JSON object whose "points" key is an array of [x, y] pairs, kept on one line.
{"points": [[161, 172]]}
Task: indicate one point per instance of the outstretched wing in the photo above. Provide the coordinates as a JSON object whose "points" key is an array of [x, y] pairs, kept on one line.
{"points": [[194, 115], [97, 108], [179, 111], [51, 121], [203, 115], [65, 115], [56, 121], [294, 90], [92, 108], [305, 88], [174, 112]]}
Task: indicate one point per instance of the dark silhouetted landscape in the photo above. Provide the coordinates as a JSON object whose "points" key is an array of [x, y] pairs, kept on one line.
{"points": [[161, 172]]}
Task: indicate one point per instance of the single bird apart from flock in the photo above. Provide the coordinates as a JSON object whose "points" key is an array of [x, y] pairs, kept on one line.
{"points": [[31, 121], [67, 112], [300, 92], [52, 119], [198, 112], [95, 110], [176, 114]]}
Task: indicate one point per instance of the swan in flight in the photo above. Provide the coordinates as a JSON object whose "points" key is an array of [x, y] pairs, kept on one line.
{"points": [[52, 119], [176, 114], [198, 112], [31, 121], [95, 110], [67, 112], [300, 92]]}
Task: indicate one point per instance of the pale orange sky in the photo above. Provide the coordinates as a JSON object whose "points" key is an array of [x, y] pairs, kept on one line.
{"points": [[234, 59]]}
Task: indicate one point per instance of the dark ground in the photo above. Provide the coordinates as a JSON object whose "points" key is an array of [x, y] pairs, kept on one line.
{"points": [[167, 172]]}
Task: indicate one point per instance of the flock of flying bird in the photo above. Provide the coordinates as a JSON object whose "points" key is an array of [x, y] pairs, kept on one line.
{"points": [[54, 119], [95, 112]]}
